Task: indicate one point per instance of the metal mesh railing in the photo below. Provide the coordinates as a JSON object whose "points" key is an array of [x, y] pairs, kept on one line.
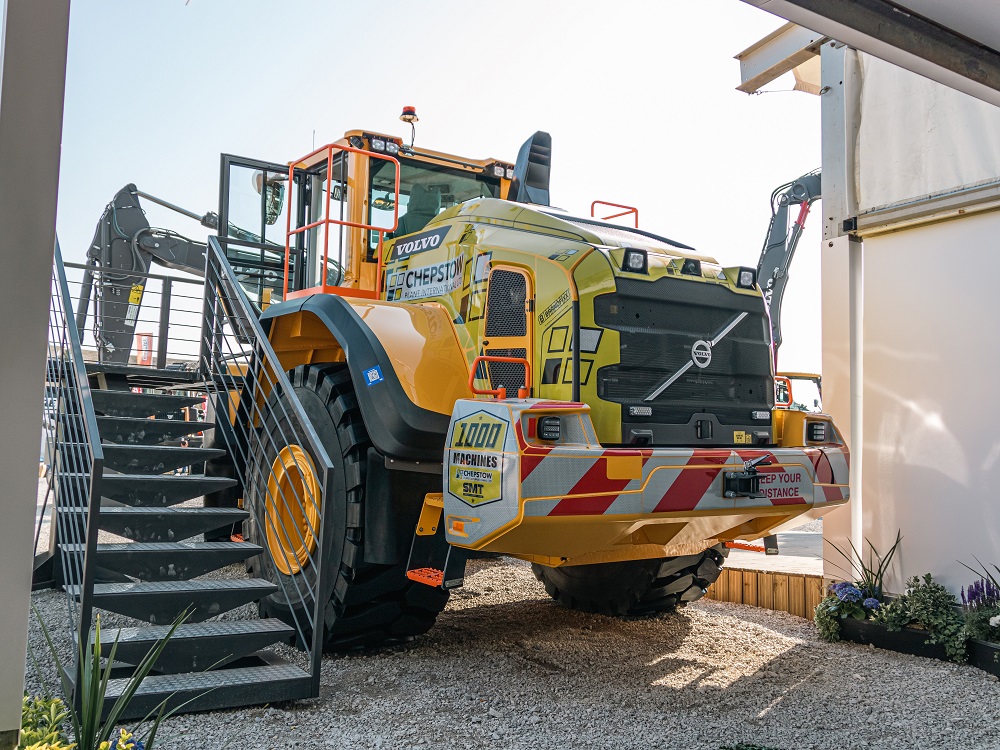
{"points": [[282, 465], [74, 460]]}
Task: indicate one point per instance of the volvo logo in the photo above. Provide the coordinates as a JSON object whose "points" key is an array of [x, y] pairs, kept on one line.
{"points": [[701, 353]]}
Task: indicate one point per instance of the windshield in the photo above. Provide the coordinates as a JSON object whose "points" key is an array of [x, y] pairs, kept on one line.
{"points": [[806, 395], [425, 190]]}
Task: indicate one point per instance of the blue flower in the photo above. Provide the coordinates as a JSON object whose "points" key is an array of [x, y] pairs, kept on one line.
{"points": [[847, 592], [871, 603]]}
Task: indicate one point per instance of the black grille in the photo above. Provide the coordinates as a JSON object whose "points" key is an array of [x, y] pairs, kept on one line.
{"points": [[659, 322], [505, 314], [510, 375]]}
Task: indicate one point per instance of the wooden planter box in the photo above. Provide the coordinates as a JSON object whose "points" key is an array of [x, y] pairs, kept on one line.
{"points": [[982, 654]]}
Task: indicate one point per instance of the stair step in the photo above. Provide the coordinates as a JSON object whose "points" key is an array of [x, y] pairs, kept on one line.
{"points": [[155, 459], [198, 646], [164, 524], [210, 691], [162, 602], [159, 490], [141, 376], [168, 561], [131, 404], [134, 431]]}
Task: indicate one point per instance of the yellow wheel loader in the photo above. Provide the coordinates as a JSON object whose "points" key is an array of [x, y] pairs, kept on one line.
{"points": [[491, 374]]}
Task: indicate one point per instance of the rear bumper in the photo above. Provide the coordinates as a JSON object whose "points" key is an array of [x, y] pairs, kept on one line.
{"points": [[577, 502]]}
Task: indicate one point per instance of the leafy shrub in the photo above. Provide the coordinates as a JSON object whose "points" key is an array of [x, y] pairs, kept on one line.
{"points": [[869, 575], [930, 606], [42, 723]]}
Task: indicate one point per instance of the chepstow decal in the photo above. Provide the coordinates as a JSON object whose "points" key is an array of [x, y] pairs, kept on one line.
{"points": [[405, 247], [434, 280]]}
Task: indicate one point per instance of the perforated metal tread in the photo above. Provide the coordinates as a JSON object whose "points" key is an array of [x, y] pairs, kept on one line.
{"points": [[162, 602], [163, 524], [130, 404], [160, 489], [154, 459], [223, 688], [195, 647], [167, 561], [137, 431]]}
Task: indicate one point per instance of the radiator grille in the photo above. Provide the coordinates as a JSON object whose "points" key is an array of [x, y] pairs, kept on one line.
{"points": [[659, 322]]}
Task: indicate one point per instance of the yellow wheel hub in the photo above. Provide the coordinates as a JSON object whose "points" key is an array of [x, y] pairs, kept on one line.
{"points": [[292, 510]]}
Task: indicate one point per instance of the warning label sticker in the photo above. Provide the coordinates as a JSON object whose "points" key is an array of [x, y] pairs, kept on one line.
{"points": [[781, 485], [435, 280]]}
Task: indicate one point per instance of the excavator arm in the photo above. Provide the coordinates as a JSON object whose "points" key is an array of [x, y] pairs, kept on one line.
{"points": [[780, 244], [123, 248]]}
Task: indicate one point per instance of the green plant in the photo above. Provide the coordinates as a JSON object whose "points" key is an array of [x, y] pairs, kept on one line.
{"points": [[48, 746], [844, 600], [928, 605], [89, 730], [869, 576], [42, 722]]}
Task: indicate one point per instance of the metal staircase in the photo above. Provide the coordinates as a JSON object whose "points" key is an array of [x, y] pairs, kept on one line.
{"points": [[130, 522]]}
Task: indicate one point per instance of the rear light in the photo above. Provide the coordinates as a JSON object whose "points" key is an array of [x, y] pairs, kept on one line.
{"points": [[760, 415], [640, 411], [635, 261], [548, 428], [746, 278]]}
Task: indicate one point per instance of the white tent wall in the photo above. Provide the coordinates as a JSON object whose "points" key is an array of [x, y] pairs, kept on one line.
{"points": [[919, 139], [910, 347]]}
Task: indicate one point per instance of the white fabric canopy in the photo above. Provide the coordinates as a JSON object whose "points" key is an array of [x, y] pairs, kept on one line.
{"points": [[918, 138]]}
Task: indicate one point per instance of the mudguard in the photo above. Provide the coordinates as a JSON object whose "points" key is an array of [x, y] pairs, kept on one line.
{"points": [[406, 406]]}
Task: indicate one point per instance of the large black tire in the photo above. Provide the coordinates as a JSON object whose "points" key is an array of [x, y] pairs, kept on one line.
{"points": [[635, 587], [367, 604]]}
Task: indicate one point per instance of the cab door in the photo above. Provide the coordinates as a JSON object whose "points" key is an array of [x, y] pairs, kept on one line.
{"points": [[507, 330]]}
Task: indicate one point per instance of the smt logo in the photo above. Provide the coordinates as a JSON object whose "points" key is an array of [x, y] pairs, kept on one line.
{"points": [[418, 243], [701, 353]]}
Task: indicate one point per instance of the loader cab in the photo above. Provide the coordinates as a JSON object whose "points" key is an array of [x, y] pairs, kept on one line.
{"points": [[318, 225]]}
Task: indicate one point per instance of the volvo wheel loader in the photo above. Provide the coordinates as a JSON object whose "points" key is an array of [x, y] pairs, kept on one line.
{"points": [[491, 374]]}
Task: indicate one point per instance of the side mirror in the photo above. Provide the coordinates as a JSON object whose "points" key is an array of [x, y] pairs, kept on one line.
{"points": [[273, 192]]}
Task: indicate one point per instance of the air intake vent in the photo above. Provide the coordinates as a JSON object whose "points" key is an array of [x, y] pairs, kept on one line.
{"points": [[505, 313]]}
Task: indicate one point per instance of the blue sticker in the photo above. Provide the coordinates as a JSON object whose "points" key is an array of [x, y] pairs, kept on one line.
{"points": [[373, 376]]}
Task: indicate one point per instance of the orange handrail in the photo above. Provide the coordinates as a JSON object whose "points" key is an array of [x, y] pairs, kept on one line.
{"points": [[628, 210], [289, 233], [501, 392]]}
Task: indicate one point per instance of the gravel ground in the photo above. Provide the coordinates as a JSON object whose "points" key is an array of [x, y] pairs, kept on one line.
{"points": [[506, 668]]}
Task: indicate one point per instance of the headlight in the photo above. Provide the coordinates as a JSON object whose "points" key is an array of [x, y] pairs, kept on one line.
{"points": [[746, 278], [634, 261], [391, 148], [510, 173], [377, 144], [498, 170], [691, 267]]}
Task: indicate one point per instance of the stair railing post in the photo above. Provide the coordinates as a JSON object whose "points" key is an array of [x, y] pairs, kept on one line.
{"points": [[163, 335]]}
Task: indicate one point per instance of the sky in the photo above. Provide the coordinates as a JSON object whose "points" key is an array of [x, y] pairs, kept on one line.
{"points": [[639, 98]]}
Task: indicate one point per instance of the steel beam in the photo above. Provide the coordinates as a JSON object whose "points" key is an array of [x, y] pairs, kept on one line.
{"points": [[776, 54], [909, 40]]}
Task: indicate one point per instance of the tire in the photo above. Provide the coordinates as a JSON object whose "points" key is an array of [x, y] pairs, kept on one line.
{"points": [[635, 587], [367, 604]]}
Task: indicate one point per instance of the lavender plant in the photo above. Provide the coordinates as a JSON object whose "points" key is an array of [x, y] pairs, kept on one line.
{"points": [[981, 605]]}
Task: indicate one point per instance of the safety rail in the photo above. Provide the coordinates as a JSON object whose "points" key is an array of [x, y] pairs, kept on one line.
{"points": [[261, 421], [327, 221], [501, 391], [165, 330], [628, 210], [75, 462]]}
